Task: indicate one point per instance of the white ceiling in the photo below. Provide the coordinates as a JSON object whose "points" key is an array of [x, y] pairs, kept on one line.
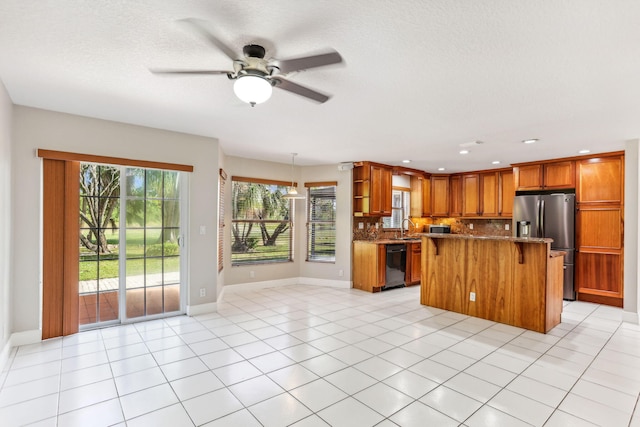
{"points": [[419, 78]]}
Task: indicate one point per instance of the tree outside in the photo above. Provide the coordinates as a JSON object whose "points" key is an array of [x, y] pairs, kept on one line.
{"points": [[260, 206]]}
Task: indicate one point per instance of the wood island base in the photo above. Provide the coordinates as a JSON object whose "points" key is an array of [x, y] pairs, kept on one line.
{"points": [[515, 281]]}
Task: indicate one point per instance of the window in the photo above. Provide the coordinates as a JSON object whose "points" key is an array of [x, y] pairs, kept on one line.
{"points": [[321, 222], [221, 184], [262, 222], [400, 208]]}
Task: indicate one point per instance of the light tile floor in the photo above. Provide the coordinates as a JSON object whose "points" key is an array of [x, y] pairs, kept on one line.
{"points": [[313, 356]]}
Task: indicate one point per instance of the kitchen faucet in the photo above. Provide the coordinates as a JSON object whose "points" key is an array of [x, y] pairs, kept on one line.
{"points": [[402, 226]]}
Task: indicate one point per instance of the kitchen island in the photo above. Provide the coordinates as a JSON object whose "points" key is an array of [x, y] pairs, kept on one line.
{"points": [[511, 280]]}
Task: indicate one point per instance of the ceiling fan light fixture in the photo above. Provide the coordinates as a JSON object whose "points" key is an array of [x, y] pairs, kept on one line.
{"points": [[252, 89]]}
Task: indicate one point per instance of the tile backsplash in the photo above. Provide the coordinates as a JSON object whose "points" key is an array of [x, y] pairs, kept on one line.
{"points": [[372, 227]]}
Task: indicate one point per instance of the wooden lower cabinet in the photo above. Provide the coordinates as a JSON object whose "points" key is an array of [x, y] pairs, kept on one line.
{"points": [[414, 254], [599, 277], [599, 255], [369, 266]]}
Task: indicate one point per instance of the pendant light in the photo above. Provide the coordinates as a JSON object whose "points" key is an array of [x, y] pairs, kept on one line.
{"points": [[292, 192]]}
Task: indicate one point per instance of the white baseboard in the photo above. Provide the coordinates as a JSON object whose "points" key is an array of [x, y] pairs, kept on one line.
{"points": [[630, 317], [196, 310], [17, 339], [342, 284], [242, 287]]}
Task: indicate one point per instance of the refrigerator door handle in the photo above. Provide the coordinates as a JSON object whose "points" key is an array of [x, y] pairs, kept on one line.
{"points": [[542, 234], [538, 218]]}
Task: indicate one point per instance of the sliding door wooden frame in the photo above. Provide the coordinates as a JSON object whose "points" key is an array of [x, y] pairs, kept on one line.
{"points": [[106, 160]]}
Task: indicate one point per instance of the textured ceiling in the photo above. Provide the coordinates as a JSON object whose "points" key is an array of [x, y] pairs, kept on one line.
{"points": [[419, 77]]}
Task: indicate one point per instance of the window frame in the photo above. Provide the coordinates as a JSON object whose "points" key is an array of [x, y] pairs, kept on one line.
{"points": [[310, 222], [404, 208], [283, 186]]}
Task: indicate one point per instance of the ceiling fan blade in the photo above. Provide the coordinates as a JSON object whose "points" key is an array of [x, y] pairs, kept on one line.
{"points": [[289, 86], [190, 72], [306, 62], [200, 27]]}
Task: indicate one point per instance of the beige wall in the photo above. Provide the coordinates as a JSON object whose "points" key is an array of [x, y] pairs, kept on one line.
{"points": [[34, 128], [236, 166], [6, 109]]}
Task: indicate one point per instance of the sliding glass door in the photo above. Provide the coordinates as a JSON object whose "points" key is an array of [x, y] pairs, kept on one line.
{"points": [[130, 244], [152, 234]]}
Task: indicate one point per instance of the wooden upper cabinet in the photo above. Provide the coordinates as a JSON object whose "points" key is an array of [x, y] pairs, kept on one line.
{"points": [[439, 195], [489, 190], [381, 190], [600, 180], [528, 177], [545, 175], [559, 175], [415, 196], [371, 189], [426, 196], [506, 193], [455, 195], [470, 194]]}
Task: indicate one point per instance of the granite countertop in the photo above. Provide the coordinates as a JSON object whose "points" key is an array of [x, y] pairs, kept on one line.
{"points": [[471, 237], [414, 239]]}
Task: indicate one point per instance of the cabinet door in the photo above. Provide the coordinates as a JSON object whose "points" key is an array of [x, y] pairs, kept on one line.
{"points": [[382, 265], [416, 197], [598, 267], [489, 194], [426, 197], [507, 193], [470, 193], [380, 201], [559, 175], [455, 183], [528, 177], [415, 271], [439, 195], [600, 180]]}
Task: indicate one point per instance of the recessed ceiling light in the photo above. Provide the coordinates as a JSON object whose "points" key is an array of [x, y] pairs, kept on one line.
{"points": [[495, 162], [530, 141], [470, 144], [464, 151], [584, 151], [440, 169], [406, 161]]}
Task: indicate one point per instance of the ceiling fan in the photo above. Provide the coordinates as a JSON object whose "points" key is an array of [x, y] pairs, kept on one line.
{"points": [[254, 75]]}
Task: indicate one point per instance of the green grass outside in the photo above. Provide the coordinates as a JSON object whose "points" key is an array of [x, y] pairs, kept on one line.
{"points": [[109, 264]]}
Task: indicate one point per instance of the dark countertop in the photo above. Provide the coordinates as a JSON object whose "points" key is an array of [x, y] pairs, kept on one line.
{"points": [[474, 237], [414, 239]]}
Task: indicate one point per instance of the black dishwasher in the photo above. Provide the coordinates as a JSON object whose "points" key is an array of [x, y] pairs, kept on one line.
{"points": [[396, 266]]}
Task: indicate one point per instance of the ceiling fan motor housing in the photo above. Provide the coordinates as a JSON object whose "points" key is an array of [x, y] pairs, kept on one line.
{"points": [[253, 51]]}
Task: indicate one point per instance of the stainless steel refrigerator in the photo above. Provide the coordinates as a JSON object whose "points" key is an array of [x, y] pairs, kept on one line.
{"points": [[552, 216]]}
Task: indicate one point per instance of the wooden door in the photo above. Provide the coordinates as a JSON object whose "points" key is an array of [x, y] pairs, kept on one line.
{"points": [[528, 177], [559, 175], [470, 195], [380, 201], [600, 180], [439, 195], [598, 268], [507, 193], [426, 197], [416, 254], [489, 194], [455, 183]]}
